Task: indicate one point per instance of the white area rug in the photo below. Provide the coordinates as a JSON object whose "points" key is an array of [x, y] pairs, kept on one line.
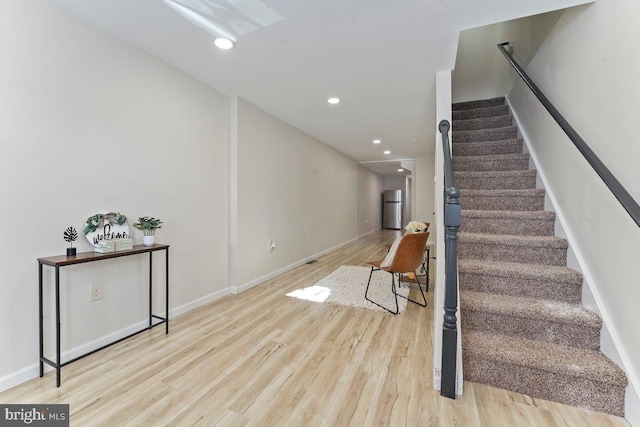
{"points": [[346, 286]]}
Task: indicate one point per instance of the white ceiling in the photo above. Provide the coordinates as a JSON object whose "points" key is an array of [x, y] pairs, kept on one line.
{"points": [[378, 56]]}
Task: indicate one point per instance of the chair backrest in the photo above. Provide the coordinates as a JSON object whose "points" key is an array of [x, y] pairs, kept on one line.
{"points": [[408, 256]]}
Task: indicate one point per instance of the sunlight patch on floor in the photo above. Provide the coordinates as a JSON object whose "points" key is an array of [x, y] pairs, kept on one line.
{"points": [[312, 293]]}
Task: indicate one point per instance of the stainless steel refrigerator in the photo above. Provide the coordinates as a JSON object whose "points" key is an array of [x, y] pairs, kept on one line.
{"points": [[392, 207]]}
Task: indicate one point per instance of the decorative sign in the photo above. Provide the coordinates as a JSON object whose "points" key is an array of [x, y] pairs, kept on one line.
{"points": [[110, 225]]}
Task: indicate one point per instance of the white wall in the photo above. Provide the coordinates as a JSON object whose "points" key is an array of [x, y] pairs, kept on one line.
{"points": [[481, 70], [292, 189], [370, 186], [424, 199], [587, 68], [395, 183], [88, 124]]}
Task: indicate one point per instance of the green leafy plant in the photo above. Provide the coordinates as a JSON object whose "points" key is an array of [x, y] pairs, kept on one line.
{"points": [[148, 225], [96, 221]]}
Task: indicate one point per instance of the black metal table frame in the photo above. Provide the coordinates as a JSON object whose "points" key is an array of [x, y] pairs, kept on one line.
{"points": [[43, 261]]}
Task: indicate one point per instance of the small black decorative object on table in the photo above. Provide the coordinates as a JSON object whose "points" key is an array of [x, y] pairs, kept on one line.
{"points": [[70, 235]]}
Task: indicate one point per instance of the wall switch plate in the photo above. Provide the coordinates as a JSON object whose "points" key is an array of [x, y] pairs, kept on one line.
{"points": [[96, 292], [272, 246]]}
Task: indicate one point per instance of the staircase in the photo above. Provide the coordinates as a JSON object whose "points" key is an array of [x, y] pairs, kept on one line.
{"points": [[523, 326]]}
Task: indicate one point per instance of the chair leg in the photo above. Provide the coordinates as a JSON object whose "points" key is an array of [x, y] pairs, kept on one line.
{"points": [[428, 266], [424, 298], [393, 288], [426, 263]]}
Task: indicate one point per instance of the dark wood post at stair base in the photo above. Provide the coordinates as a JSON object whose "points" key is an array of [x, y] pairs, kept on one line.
{"points": [[452, 220], [453, 217]]}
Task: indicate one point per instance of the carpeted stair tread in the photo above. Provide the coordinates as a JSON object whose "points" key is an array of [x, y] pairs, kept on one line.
{"points": [[547, 282], [481, 103], [545, 356], [521, 215], [496, 180], [514, 240], [479, 113], [531, 192], [483, 123], [492, 162], [495, 134], [531, 318], [559, 312], [547, 250], [532, 223], [492, 157], [503, 200], [506, 146], [518, 271]]}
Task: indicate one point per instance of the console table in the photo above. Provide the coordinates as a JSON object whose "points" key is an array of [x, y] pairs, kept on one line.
{"points": [[63, 261]]}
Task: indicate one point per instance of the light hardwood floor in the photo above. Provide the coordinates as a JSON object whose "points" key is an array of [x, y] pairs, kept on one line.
{"points": [[261, 358]]}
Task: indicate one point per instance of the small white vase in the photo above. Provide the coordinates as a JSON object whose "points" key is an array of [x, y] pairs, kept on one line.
{"points": [[149, 240]]}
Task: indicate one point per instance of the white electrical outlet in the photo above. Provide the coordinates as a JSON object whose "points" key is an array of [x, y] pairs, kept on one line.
{"points": [[96, 292]]}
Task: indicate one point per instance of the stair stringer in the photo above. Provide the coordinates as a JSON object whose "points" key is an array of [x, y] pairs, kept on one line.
{"points": [[610, 343]]}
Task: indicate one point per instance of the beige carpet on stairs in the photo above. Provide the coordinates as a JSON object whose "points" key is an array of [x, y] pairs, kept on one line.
{"points": [[523, 325]]}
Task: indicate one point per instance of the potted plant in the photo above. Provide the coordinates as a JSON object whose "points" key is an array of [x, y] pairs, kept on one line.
{"points": [[148, 225]]}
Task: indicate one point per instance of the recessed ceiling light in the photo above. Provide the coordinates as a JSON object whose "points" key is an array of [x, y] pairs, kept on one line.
{"points": [[377, 141], [400, 170], [414, 140], [224, 43], [387, 152], [333, 100]]}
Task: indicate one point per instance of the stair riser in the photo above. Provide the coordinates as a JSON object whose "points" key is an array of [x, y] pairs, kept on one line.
{"points": [[482, 103], [513, 253], [480, 113], [568, 292], [509, 203], [486, 148], [508, 226], [485, 135], [478, 165], [579, 392], [497, 183], [485, 123], [535, 329]]}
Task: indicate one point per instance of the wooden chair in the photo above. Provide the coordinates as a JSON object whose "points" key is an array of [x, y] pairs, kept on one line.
{"points": [[407, 258], [425, 261]]}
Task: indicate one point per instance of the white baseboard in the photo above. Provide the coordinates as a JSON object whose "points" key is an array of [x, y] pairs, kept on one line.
{"points": [[369, 232], [437, 381], [32, 371], [177, 311], [616, 351], [18, 377], [255, 282]]}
